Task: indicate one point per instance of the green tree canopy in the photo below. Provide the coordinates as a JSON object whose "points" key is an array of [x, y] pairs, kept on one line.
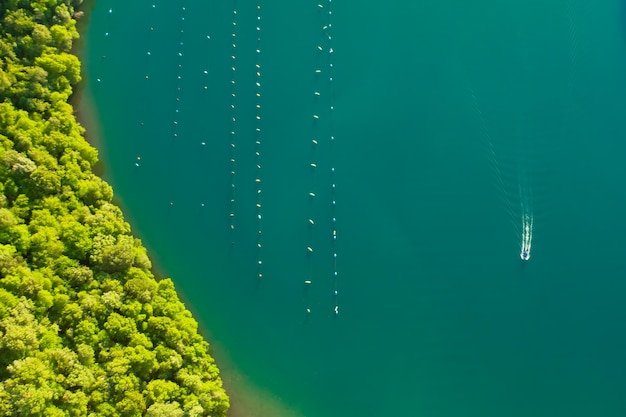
{"points": [[85, 328]]}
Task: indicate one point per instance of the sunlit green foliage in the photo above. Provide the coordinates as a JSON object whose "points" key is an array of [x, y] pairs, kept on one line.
{"points": [[85, 328]]}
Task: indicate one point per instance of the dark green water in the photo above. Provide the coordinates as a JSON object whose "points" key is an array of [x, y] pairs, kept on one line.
{"points": [[452, 121]]}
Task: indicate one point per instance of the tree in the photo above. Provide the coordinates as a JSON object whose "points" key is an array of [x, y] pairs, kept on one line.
{"points": [[165, 410], [20, 336], [112, 255]]}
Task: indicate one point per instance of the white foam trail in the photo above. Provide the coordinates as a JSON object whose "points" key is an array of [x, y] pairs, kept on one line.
{"points": [[527, 237], [527, 222]]}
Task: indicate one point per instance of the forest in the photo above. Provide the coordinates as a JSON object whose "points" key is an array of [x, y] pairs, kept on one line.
{"points": [[85, 327]]}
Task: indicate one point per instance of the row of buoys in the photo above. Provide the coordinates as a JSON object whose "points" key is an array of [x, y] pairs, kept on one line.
{"points": [[233, 127], [325, 45], [179, 57], [257, 142], [327, 29], [313, 186]]}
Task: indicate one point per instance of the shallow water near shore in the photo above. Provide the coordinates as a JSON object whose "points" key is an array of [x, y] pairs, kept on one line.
{"points": [[451, 126]]}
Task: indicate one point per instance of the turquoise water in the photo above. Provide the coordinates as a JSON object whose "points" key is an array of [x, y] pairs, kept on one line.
{"points": [[454, 124]]}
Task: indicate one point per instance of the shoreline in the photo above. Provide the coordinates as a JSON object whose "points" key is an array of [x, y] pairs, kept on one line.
{"points": [[81, 99], [251, 401]]}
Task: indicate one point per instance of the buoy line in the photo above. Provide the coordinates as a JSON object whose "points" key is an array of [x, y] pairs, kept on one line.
{"points": [[328, 31], [233, 123], [258, 142]]}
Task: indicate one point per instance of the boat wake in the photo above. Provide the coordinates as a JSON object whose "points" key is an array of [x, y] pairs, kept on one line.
{"points": [[527, 224], [507, 180]]}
